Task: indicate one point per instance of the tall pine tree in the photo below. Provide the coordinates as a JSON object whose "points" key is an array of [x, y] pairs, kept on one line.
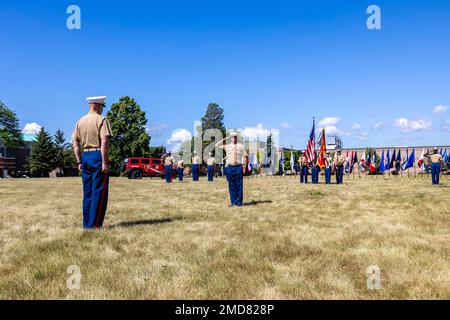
{"points": [[61, 146], [44, 155], [65, 158], [213, 118]]}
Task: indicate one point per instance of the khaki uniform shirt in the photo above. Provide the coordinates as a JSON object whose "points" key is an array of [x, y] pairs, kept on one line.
{"points": [[196, 160], [235, 153], [211, 161], [168, 160], [340, 160], [180, 164], [302, 161], [90, 130], [435, 158], [328, 161]]}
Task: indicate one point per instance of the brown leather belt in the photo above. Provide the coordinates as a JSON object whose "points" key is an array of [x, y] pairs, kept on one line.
{"points": [[91, 149]]}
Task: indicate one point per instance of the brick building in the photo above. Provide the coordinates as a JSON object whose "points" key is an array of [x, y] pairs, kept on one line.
{"points": [[13, 160]]}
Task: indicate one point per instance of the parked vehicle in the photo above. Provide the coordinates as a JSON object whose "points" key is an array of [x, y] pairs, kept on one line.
{"points": [[136, 167]]}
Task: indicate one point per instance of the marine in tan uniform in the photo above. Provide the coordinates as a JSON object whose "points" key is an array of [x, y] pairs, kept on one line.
{"points": [[90, 141], [303, 169], [168, 161], [340, 162], [211, 162], [328, 165], [436, 162], [180, 168], [235, 159], [196, 162]]}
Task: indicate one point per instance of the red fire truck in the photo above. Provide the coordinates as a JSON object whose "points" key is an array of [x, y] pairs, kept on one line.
{"points": [[136, 168]]}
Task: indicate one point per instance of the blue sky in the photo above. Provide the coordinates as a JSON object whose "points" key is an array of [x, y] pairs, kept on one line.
{"points": [[269, 64]]}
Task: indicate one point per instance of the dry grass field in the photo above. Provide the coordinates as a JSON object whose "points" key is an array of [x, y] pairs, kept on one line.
{"points": [[176, 241]]}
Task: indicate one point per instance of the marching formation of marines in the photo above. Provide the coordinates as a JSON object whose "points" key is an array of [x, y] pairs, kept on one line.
{"points": [[90, 141]]}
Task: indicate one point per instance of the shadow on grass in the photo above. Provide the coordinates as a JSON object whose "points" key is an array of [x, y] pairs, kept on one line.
{"points": [[256, 202], [130, 224]]}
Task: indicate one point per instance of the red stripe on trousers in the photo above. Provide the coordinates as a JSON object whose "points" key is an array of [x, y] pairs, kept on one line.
{"points": [[102, 200]]}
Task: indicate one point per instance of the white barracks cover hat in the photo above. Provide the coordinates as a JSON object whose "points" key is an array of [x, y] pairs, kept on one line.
{"points": [[98, 99]]}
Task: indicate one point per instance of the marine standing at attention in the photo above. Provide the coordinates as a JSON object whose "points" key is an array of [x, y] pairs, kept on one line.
{"points": [[196, 161], [328, 164], [436, 162], [314, 172], [340, 162], [168, 161], [180, 168], [211, 162], [235, 159], [90, 141], [303, 169]]}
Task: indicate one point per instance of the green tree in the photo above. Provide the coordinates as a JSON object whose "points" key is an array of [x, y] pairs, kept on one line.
{"points": [[61, 146], [157, 152], [213, 118], [10, 134], [44, 155], [65, 158], [130, 137]]}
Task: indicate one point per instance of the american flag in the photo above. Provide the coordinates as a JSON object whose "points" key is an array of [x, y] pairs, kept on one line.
{"points": [[311, 146]]}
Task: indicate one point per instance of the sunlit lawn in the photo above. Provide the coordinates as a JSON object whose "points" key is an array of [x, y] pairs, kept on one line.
{"points": [[176, 241]]}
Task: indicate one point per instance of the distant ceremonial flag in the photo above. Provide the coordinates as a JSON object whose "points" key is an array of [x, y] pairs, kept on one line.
{"points": [[405, 161], [421, 162], [362, 162], [444, 156], [354, 160], [323, 151], [292, 161], [282, 161], [387, 165], [398, 160], [372, 162], [311, 145], [410, 161], [351, 163], [347, 166], [382, 164], [392, 164]]}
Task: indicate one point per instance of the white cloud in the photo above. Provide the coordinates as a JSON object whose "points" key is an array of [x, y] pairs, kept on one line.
{"points": [[356, 126], [406, 125], [330, 126], [179, 135], [329, 121], [285, 125], [32, 128], [440, 109], [253, 133]]}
